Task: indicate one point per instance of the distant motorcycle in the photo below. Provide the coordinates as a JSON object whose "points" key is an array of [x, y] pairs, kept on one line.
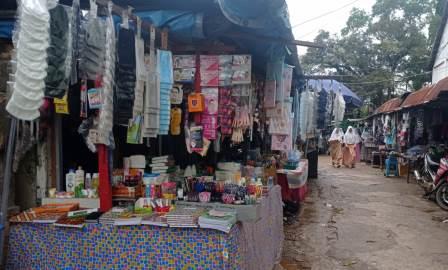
{"points": [[433, 177]]}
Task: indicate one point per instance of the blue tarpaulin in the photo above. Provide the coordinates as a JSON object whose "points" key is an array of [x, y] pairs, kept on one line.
{"points": [[6, 27], [332, 85]]}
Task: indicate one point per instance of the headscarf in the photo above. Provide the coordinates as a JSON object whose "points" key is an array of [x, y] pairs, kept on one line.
{"points": [[351, 137], [336, 135]]}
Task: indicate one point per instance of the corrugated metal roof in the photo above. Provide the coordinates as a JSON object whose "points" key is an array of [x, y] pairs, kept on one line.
{"points": [[440, 89], [389, 106], [418, 97]]}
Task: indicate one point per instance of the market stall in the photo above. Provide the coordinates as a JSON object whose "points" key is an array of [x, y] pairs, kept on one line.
{"points": [[99, 246], [165, 147]]}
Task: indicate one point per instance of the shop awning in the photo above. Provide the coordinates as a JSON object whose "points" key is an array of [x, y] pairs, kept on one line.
{"points": [[418, 97], [259, 27], [332, 85], [389, 106]]}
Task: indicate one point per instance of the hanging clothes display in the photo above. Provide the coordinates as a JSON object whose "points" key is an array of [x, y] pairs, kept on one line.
{"points": [[31, 40], [151, 117], [75, 24], [56, 81], [125, 76], [106, 112], [338, 108], [92, 50], [140, 71], [165, 73]]}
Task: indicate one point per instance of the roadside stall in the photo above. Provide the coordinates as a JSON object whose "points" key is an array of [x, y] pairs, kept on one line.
{"points": [[166, 144]]}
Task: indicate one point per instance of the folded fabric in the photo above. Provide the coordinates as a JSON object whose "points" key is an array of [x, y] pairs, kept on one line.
{"points": [[30, 54]]}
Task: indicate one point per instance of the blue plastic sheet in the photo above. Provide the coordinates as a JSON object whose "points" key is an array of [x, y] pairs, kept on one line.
{"points": [[6, 27], [332, 85]]}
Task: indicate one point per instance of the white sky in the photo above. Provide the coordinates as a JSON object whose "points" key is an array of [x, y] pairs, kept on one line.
{"points": [[303, 10]]}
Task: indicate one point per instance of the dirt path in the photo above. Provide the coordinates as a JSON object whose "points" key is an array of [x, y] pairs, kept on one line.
{"points": [[358, 219]]}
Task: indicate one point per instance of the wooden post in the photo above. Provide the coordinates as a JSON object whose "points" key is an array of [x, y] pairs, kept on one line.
{"points": [[105, 187]]}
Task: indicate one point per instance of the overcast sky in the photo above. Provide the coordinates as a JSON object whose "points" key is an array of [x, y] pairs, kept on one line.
{"points": [[303, 10]]}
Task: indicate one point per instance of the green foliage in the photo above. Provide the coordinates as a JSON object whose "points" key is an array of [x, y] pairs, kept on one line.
{"points": [[381, 50]]}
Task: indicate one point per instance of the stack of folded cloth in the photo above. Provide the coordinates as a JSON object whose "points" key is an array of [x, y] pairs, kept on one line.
{"points": [[218, 220], [125, 76], [29, 64], [165, 73], [184, 217], [160, 165]]}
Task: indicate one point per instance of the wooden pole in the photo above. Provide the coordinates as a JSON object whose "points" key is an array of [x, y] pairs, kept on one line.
{"points": [[7, 183]]}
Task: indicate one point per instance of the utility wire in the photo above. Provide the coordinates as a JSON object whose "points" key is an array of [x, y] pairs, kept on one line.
{"points": [[325, 14]]}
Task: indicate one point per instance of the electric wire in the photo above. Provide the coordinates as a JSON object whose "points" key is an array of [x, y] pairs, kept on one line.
{"points": [[325, 14]]}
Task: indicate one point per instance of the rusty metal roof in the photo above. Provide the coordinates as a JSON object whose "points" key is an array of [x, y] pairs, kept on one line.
{"points": [[419, 97], [389, 106]]}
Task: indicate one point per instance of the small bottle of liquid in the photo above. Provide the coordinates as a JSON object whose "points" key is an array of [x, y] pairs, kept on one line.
{"points": [[95, 183], [88, 181], [270, 181]]}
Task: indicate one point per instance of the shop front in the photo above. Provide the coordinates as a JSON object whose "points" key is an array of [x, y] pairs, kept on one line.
{"points": [[165, 140]]}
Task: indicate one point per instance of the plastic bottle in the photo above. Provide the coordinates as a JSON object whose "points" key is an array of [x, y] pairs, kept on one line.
{"points": [[79, 182], [95, 182], [70, 181], [88, 181], [270, 181]]}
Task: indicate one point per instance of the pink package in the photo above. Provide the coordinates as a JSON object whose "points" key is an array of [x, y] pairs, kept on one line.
{"points": [[209, 70], [211, 100], [210, 125], [269, 94], [281, 143]]}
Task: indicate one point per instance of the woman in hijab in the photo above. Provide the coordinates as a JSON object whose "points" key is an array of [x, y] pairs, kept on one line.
{"points": [[336, 147], [351, 139]]}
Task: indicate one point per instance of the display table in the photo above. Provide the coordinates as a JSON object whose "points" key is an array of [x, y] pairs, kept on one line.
{"points": [[248, 245], [294, 182]]}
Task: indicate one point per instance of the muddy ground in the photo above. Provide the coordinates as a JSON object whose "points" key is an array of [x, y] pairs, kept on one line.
{"points": [[359, 219]]}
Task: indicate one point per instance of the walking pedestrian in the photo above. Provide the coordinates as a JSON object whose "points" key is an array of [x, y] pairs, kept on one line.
{"points": [[351, 139], [335, 142]]}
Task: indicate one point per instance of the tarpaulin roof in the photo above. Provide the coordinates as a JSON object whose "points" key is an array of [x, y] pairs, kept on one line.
{"points": [[389, 106], [258, 27], [332, 85]]}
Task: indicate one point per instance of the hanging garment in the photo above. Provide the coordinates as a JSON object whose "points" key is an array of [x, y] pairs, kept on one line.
{"points": [[93, 50], [31, 41], [339, 108], [165, 73], [151, 121], [125, 76], [105, 124], [75, 25], [141, 74], [56, 81]]}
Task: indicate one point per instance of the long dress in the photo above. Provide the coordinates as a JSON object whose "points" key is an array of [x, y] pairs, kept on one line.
{"points": [[335, 142], [349, 155], [351, 139], [336, 152]]}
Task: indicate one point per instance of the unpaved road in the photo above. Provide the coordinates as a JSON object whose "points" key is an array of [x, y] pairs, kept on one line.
{"points": [[359, 219]]}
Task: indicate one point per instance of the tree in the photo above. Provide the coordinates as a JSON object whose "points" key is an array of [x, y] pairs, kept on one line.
{"points": [[380, 51]]}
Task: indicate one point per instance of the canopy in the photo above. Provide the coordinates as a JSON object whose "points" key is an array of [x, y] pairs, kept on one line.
{"points": [[259, 27], [332, 85]]}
